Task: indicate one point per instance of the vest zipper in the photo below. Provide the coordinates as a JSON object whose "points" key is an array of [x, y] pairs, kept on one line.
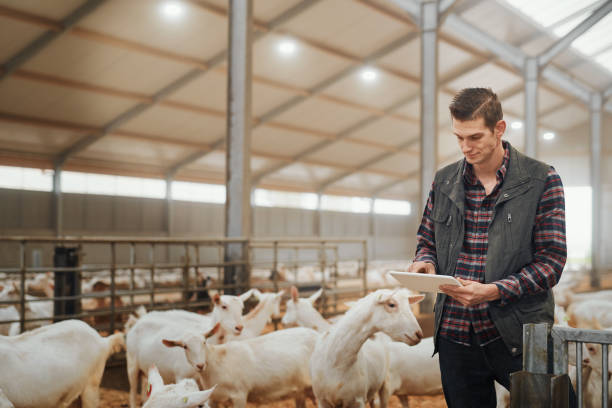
{"points": [[509, 217], [449, 220]]}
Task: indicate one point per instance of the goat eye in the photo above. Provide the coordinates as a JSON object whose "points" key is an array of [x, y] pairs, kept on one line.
{"points": [[392, 305], [185, 347], [224, 307]]}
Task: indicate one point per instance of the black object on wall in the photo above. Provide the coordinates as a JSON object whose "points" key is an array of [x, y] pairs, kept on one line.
{"points": [[67, 283]]}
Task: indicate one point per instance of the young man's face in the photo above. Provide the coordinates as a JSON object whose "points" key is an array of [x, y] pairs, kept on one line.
{"points": [[476, 141]]}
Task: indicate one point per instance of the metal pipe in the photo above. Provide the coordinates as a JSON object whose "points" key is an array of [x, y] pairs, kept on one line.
{"points": [[112, 287], [595, 130], [429, 95], [186, 278], [152, 275], [579, 372], [365, 267], [22, 277], [132, 271], [323, 266], [531, 73], [604, 375]]}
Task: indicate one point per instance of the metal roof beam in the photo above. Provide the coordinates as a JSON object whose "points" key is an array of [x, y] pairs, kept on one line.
{"points": [[515, 56], [471, 34], [445, 6], [45, 39], [412, 7], [114, 124], [319, 146], [376, 192], [323, 186], [567, 83], [169, 89], [560, 45], [607, 93]]}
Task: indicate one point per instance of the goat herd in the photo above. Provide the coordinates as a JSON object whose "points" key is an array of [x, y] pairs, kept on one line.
{"points": [[373, 351]]}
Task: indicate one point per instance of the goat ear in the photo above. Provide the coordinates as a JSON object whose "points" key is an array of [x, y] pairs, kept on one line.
{"points": [[313, 298], [213, 331], [203, 396], [246, 295], [216, 299], [294, 294], [385, 296], [350, 303], [256, 293], [155, 381], [412, 299], [173, 343]]}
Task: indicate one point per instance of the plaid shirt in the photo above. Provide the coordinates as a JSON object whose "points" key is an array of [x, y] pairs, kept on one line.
{"points": [[538, 276]]}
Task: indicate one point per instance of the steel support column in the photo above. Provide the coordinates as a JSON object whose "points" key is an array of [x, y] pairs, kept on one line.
{"points": [[531, 73], [429, 94], [169, 206], [372, 228], [596, 247], [607, 93], [316, 227], [238, 189], [429, 106], [58, 208]]}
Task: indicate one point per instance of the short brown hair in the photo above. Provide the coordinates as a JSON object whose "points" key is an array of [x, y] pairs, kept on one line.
{"points": [[474, 103]]}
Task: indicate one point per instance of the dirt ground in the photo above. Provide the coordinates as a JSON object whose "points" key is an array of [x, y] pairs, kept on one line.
{"points": [[119, 399]]}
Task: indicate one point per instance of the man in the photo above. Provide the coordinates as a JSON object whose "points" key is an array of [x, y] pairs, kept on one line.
{"points": [[496, 221]]}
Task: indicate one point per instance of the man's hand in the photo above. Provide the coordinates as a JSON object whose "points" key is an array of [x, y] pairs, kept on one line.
{"points": [[471, 293], [422, 267]]}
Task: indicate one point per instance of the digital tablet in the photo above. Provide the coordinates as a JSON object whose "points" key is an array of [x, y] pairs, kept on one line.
{"points": [[423, 282]]}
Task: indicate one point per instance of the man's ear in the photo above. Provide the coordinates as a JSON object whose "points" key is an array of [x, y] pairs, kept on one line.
{"points": [[500, 128]]}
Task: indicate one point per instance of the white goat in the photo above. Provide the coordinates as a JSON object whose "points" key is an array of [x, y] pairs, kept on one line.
{"points": [[348, 370], [593, 378], [184, 394], [53, 365], [255, 321], [260, 370], [412, 370], [584, 314], [4, 402], [8, 314], [302, 312], [35, 308], [145, 349]]}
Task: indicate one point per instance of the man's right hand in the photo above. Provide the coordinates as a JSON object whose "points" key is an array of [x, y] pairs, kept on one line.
{"points": [[422, 267]]}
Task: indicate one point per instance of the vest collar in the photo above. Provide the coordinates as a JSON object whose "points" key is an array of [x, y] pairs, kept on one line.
{"points": [[515, 180]]}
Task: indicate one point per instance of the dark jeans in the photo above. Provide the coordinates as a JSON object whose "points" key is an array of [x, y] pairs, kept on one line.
{"points": [[468, 372]]}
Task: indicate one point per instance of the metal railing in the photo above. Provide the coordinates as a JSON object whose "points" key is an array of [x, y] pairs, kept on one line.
{"points": [[544, 381], [186, 260], [327, 262], [133, 271]]}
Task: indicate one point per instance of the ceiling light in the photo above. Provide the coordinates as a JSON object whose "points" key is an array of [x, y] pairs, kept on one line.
{"points": [[548, 136], [517, 125], [172, 9], [369, 75], [287, 47]]}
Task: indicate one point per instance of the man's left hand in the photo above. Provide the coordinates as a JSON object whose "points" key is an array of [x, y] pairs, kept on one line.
{"points": [[472, 292]]}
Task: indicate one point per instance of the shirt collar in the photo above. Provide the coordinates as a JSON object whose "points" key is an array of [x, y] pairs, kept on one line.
{"points": [[468, 169]]}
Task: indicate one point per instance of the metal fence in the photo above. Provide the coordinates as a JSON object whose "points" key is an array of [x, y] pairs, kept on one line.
{"points": [[114, 276], [544, 381], [340, 264]]}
